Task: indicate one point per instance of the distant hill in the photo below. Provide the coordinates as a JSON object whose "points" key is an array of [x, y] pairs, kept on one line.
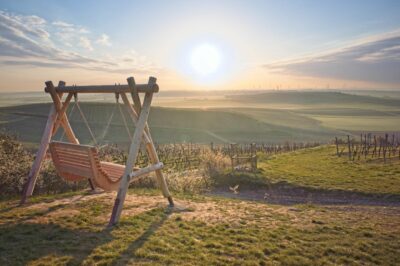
{"points": [[314, 97], [168, 125]]}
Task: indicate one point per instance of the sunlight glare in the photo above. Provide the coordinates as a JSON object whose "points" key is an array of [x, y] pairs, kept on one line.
{"points": [[205, 59]]}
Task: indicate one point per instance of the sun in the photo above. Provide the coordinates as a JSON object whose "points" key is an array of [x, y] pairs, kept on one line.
{"points": [[205, 59]]}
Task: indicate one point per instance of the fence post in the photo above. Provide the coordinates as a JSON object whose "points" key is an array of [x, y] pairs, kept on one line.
{"points": [[337, 146], [349, 146]]}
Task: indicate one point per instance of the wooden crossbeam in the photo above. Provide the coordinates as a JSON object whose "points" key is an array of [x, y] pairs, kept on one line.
{"points": [[142, 88], [146, 170]]}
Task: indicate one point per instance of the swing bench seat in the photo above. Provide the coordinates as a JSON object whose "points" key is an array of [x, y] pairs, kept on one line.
{"points": [[75, 162]]}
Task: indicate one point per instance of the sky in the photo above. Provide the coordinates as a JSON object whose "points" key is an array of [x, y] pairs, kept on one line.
{"points": [[201, 45]]}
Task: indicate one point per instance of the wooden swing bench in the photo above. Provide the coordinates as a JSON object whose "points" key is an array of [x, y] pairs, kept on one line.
{"points": [[75, 162], [80, 162]]}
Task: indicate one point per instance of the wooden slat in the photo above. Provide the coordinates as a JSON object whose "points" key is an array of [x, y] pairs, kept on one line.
{"points": [[76, 171], [74, 159], [72, 155], [71, 146], [73, 150], [74, 164]]}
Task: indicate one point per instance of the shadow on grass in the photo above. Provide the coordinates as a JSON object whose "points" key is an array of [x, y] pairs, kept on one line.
{"points": [[26, 214], [142, 239], [21, 243]]}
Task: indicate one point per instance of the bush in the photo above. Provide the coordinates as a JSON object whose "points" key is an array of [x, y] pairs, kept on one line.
{"points": [[49, 182], [212, 165], [15, 165], [16, 162]]}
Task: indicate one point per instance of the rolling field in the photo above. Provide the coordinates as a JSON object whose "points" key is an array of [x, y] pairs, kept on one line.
{"points": [[271, 117]]}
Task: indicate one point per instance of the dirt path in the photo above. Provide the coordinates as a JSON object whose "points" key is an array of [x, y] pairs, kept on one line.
{"points": [[285, 194]]}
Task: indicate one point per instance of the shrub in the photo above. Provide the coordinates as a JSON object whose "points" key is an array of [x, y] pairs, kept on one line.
{"points": [[198, 180], [49, 182], [15, 165], [214, 164]]}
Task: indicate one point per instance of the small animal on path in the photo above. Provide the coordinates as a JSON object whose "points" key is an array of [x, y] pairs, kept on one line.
{"points": [[234, 189]]}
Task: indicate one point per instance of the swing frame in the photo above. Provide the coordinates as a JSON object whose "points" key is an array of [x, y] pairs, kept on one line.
{"points": [[138, 112]]}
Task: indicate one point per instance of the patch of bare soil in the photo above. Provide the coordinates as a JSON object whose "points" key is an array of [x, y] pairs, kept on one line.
{"points": [[286, 194], [210, 212]]}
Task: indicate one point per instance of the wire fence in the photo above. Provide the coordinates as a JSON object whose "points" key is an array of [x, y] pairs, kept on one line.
{"points": [[186, 156]]}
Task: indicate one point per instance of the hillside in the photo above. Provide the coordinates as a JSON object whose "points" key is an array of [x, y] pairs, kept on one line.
{"points": [[315, 98], [270, 117], [168, 125]]}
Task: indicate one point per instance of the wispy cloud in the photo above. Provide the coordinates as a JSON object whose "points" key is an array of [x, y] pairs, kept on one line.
{"points": [[33, 41], [104, 40], [374, 59], [85, 43]]}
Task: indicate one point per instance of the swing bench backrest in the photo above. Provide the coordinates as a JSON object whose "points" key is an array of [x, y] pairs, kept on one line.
{"points": [[75, 162]]}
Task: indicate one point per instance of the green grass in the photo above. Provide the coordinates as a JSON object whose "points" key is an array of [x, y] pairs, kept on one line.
{"points": [[357, 123], [168, 125], [321, 168], [213, 231], [270, 117]]}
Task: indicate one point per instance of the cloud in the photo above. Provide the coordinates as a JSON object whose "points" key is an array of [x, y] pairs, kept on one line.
{"points": [[68, 33], [104, 40], [85, 43], [32, 41], [374, 59], [62, 24]]}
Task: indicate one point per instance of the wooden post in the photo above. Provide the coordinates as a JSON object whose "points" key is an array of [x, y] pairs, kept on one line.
{"points": [[337, 146], [141, 132], [63, 117], [62, 111], [57, 113], [133, 152], [150, 148], [134, 94], [349, 146], [41, 153], [385, 147]]}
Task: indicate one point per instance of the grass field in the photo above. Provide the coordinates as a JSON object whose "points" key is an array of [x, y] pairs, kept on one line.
{"points": [[321, 168], [209, 231], [270, 117]]}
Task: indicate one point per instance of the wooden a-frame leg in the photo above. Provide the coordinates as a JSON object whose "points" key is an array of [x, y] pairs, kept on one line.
{"points": [[133, 152], [151, 150], [44, 144], [57, 112], [62, 117]]}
